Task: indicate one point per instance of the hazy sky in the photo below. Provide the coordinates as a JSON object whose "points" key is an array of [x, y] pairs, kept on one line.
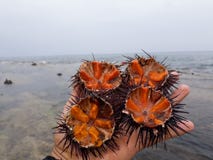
{"points": [[56, 27]]}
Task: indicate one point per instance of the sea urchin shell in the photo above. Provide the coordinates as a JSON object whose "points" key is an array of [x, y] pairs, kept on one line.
{"points": [[99, 76], [146, 72], [148, 107], [91, 122]]}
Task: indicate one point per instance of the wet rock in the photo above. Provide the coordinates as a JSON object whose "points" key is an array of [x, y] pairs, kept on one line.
{"points": [[8, 82], [59, 74], [34, 64]]}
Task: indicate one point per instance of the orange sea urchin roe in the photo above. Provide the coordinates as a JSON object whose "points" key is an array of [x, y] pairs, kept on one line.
{"points": [[148, 107], [89, 127], [99, 75], [146, 72], [136, 72]]}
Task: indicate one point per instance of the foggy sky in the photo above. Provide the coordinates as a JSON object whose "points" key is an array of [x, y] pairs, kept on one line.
{"points": [[58, 27]]}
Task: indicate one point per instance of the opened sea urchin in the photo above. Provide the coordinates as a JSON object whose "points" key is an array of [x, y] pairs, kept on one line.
{"points": [[108, 103]]}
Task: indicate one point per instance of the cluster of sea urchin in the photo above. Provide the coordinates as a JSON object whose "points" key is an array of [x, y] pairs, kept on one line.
{"points": [[149, 107], [108, 101], [90, 124]]}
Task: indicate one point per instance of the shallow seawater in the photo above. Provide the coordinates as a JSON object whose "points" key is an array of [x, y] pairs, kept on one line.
{"points": [[29, 106]]}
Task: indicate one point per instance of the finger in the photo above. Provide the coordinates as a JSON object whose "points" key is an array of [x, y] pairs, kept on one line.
{"points": [[175, 75], [71, 99], [69, 103], [180, 93], [183, 127]]}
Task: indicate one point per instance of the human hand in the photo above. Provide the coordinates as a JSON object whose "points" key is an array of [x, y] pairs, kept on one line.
{"points": [[126, 151]]}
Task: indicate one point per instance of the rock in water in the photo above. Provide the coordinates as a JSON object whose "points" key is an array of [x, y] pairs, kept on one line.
{"points": [[8, 82]]}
